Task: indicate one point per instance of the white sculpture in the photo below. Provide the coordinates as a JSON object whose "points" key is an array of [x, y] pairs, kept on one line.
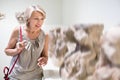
{"points": [[108, 66], [76, 50], [2, 16]]}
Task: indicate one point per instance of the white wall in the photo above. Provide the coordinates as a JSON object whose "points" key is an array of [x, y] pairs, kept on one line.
{"points": [[9, 7], [91, 11]]}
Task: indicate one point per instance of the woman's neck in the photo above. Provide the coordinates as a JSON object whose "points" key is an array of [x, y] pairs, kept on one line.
{"points": [[32, 34], [32, 31]]}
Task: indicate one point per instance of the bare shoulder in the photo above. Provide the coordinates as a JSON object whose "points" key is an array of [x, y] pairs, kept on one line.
{"points": [[46, 36], [16, 29], [46, 39], [15, 33], [13, 38]]}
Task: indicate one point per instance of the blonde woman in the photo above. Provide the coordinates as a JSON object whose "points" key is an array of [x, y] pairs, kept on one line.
{"points": [[33, 50]]}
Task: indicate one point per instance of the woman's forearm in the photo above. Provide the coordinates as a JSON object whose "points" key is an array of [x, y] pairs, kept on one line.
{"points": [[11, 52]]}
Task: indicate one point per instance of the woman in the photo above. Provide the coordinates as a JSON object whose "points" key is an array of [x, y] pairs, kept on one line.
{"points": [[33, 49]]}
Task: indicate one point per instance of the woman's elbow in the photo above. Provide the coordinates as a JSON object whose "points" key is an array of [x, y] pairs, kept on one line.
{"points": [[6, 52]]}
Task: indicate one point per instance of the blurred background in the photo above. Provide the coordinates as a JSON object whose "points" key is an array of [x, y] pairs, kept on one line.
{"points": [[60, 13]]}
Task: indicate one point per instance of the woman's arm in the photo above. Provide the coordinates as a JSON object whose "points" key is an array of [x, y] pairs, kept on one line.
{"points": [[44, 56], [11, 48], [45, 49]]}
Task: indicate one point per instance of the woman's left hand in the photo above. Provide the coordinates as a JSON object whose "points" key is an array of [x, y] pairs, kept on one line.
{"points": [[42, 61]]}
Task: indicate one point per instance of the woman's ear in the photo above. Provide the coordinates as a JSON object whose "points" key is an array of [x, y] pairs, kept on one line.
{"points": [[28, 23]]}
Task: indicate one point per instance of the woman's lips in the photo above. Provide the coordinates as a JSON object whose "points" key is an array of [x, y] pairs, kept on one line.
{"points": [[37, 25]]}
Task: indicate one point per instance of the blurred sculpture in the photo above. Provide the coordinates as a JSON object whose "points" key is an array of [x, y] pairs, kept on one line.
{"points": [[20, 17], [108, 66], [57, 46], [80, 64], [76, 50], [2, 16]]}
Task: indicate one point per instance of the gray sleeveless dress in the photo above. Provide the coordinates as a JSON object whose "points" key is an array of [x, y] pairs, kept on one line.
{"points": [[26, 67]]}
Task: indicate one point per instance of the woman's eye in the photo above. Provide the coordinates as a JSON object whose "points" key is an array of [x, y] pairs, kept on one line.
{"points": [[36, 19], [42, 19]]}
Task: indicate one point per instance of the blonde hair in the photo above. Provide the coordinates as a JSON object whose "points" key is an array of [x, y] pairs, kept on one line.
{"points": [[24, 16], [28, 12]]}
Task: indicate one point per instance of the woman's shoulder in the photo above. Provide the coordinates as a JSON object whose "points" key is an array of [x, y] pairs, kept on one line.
{"points": [[15, 30], [46, 37], [45, 34]]}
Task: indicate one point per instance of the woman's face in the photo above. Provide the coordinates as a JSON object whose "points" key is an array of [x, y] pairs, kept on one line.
{"points": [[36, 20]]}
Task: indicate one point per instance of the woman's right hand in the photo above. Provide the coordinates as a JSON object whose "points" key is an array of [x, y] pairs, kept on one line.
{"points": [[20, 46]]}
